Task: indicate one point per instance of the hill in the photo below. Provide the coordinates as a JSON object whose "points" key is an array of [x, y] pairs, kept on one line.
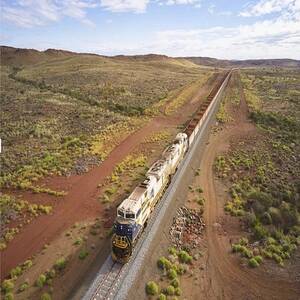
{"points": [[18, 56]]}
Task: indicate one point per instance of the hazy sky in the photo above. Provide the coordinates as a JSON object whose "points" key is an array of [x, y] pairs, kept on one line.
{"points": [[235, 29]]}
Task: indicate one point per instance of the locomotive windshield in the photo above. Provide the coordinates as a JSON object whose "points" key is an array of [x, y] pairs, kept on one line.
{"points": [[121, 214], [130, 216]]}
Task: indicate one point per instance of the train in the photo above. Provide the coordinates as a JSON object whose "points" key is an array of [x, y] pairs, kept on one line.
{"points": [[134, 212]]}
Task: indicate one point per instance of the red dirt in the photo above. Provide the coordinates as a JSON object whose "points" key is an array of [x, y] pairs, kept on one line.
{"points": [[81, 202]]}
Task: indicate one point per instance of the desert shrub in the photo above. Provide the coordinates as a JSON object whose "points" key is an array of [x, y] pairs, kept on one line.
{"points": [[177, 291], [172, 250], [175, 282], [172, 274], [60, 264], [266, 218], [199, 190], [46, 296], [250, 219], [236, 247], [41, 280], [24, 286], [242, 249], [263, 198], [78, 241], [2, 245], [164, 263], [289, 214], [162, 297], [27, 264], [277, 258], [170, 290], [185, 257], [258, 258], [7, 285], [243, 241], [267, 253], [253, 263], [83, 254], [9, 296], [259, 231], [16, 272], [180, 269], [51, 274], [152, 288]]}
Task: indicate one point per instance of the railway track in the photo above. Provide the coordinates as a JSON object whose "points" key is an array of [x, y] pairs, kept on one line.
{"points": [[104, 287], [114, 280]]}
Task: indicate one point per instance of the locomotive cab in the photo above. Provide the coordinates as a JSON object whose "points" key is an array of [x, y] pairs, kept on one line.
{"points": [[125, 231]]}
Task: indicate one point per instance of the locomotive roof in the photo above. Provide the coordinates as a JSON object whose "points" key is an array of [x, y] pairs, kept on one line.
{"points": [[137, 193], [129, 205]]}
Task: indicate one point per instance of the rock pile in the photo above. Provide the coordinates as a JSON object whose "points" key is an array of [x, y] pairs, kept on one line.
{"points": [[84, 164], [186, 227]]}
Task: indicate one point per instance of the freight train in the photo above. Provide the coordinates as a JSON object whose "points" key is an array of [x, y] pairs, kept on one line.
{"points": [[134, 212]]}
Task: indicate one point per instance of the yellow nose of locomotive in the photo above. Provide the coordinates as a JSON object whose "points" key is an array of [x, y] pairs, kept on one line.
{"points": [[121, 248]]}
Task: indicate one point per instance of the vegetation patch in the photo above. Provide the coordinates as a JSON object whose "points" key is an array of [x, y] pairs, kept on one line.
{"points": [[262, 172], [172, 268]]}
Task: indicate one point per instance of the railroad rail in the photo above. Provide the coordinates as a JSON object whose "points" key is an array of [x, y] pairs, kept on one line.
{"points": [[113, 279]]}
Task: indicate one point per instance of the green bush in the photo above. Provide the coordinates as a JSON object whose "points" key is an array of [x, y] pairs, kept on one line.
{"points": [[16, 272], [253, 263], [170, 290], [9, 296], [7, 285], [172, 250], [152, 288], [24, 286], [275, 215], [83, 254], [60, 264], [258, 258], [40, 282], [185, 257], [266, 218], [175, 282], [243, 241], [162, 297], [164, 263], [259, 231], [51, 274], [278, 258], [27, 264], [178, 291], [172, 274], [267, 253], [180, 269], [46, 296]]}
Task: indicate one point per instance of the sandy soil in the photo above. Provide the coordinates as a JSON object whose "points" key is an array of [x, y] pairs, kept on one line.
{"points": [[80, 203]]}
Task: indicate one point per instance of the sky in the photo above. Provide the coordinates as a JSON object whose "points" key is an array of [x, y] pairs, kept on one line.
{"points": [[232, 29]]}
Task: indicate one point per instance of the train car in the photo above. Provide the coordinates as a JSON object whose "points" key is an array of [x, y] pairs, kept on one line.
{"points": [[134, 212]]}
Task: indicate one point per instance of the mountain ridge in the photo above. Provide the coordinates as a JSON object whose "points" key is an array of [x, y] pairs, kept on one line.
{"points": [[23, 56]]}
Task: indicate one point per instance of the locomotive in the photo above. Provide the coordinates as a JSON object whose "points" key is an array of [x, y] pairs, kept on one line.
{"points": [[134, 212]]}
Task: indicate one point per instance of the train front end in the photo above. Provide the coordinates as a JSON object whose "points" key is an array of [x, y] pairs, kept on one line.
{"points": [[125, 231]]}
